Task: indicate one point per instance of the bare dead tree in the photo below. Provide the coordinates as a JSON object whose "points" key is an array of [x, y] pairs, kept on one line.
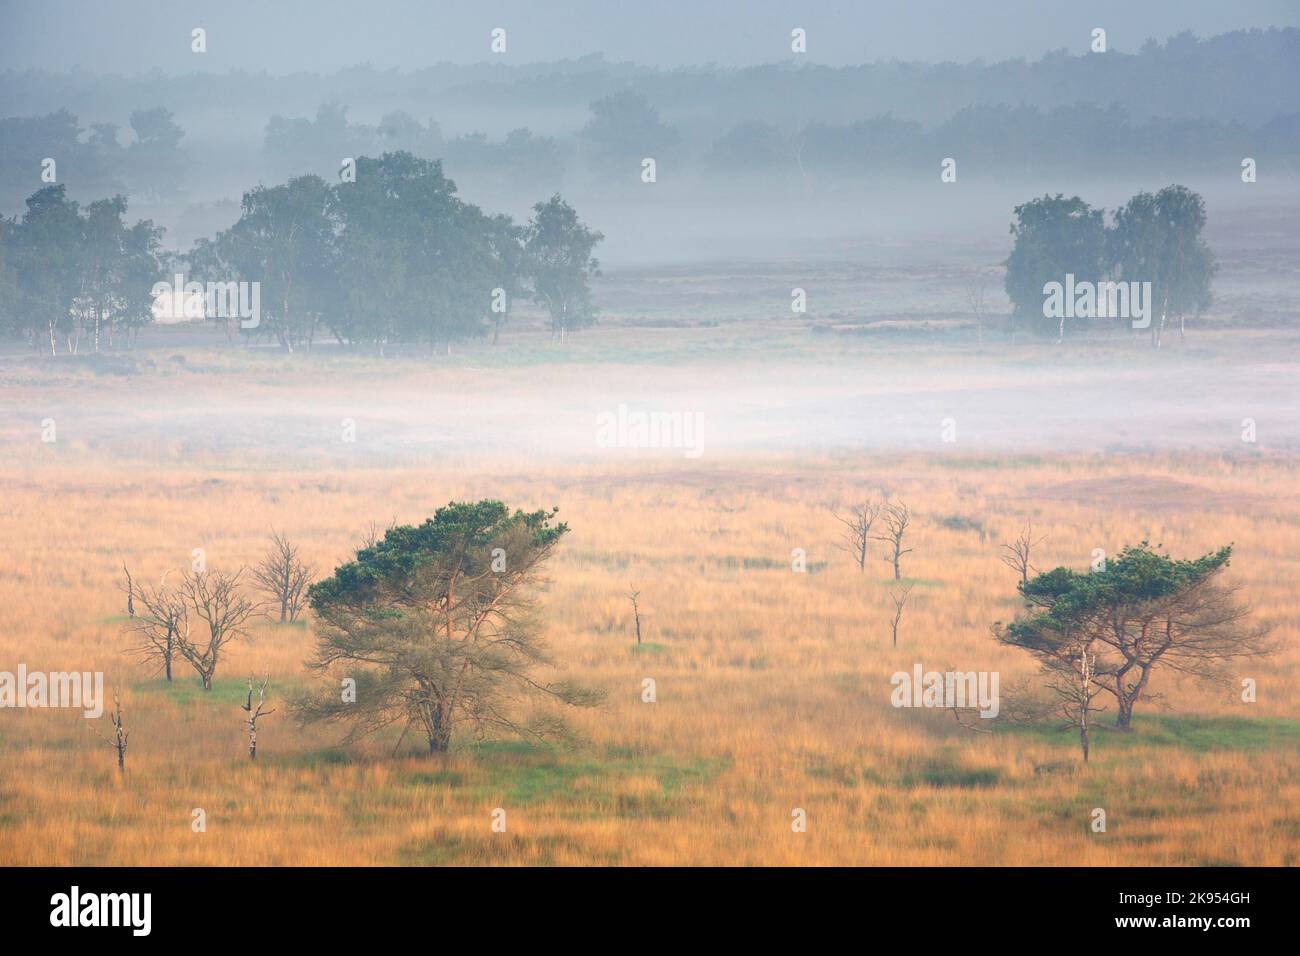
{"points": [[1077, 696], [160, 627], [857, 530], [283, 575], [633, 594], [220, 609], [899, 598], [120, 733], [255, 713], [1019, 551], [896, 518], [130, 592]]}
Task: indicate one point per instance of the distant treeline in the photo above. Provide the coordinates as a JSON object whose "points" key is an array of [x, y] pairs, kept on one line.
{"points": [[56, 147], [1182, 106], [986, 141], [1247, 76], [391, 254]]}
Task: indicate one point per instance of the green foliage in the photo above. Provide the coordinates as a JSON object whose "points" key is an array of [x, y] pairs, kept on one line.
{"points": [[459, 538], [68, 273], [559, 263], [435, 626], [1141, 611], [1137, 576], [1054, 236], [395, 257], [1155, 238]]}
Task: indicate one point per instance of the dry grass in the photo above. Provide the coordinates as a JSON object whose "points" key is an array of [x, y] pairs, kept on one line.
{"points": [[773, 687]]}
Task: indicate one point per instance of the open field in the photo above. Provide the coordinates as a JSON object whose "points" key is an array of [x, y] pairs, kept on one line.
{"points": [[773, 686]]}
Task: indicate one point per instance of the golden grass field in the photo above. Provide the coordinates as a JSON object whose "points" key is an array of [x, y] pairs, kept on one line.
{"points": [[773, 687]]}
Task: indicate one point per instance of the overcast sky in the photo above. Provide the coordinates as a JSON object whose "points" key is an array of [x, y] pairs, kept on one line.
{"points": [[282, 36]]}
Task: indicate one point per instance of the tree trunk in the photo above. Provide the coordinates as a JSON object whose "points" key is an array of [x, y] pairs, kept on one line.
{"points": [[438, 729], [1124, 714]]}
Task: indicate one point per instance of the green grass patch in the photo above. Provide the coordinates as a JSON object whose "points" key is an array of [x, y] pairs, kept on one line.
{"points": [[938, 773], [186, 688], [519, 774], [327, 757], [1197, 734]]}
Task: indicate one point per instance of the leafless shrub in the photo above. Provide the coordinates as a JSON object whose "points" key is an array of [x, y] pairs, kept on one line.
{"points": [[283, 575], [857, 530]]}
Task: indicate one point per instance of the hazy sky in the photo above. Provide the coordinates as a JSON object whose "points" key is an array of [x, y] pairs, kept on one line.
{"points": [[282, 36]]}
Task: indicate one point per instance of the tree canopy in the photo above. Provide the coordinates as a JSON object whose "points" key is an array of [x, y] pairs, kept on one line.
{"points": [[1143, 610], [1154, 238], [391, 255], [68, 273], [437, 626]]}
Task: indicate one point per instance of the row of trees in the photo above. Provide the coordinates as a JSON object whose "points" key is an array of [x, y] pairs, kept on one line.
{"points": [[72, 274], [435, 627], [988, 140], [314, 144], [390, 254], [1188, 101], [150, 165], [1153, 238]]}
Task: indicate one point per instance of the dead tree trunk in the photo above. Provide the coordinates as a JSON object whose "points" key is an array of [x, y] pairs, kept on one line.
{"points": [[120, 735], [899, 598], [896, 518], [255, 713], [636, 612], [130, 592], [857, 530]]}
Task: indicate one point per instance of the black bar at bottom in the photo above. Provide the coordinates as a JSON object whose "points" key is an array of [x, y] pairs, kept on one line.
{"points": [[305, 905]]}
